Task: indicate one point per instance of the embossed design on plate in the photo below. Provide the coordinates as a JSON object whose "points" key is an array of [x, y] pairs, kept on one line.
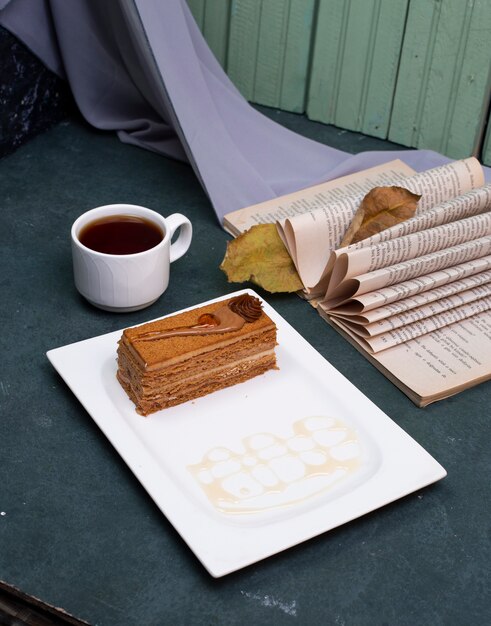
{"points": [[276, 472]]}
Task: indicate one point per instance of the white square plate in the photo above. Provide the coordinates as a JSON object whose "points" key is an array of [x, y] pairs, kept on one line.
{"points": [[251, 470]]}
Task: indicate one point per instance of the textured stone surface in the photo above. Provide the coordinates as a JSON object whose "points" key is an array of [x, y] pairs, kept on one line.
{"points": [[32, 99], [76, 527]]}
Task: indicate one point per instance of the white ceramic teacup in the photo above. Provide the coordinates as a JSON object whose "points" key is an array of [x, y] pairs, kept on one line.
{"points": [[127, 282]]}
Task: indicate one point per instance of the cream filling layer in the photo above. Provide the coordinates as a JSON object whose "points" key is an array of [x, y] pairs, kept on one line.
{"points": [[212, 374]]}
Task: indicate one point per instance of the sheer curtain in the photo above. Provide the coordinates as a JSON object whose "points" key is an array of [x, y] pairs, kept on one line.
{"points": [[143, 69]]}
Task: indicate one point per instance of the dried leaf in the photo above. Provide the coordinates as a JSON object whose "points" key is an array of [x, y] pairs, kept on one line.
{"points": [[260, 256], [381, 208]]}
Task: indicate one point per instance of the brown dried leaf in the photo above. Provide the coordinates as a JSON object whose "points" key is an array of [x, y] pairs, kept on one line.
{"points": [[260, 256], [381, 208]]}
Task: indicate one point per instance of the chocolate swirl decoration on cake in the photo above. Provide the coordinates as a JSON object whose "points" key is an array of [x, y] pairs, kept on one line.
{"points": [[246, 306], [232, 316]]}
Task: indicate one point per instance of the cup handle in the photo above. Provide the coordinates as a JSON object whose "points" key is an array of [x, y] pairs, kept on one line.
{"points": [[181, 245]]}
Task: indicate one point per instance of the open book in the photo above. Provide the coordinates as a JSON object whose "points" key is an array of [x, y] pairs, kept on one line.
{"points": [[415, 299]]}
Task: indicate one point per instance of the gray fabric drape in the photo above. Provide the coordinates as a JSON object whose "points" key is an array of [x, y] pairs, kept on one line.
{"points": [[142, 68]]}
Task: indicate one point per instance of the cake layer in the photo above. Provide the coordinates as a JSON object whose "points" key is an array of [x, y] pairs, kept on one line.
{"points": [[223, 354], [157, 398], [191, 354], [155, 353]]}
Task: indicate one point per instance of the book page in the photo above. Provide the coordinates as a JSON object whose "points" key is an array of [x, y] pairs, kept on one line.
{"points": [[473, 202], [374, 300], [408, 304], [445, 361], [445, 182], [355, 262], [469, 204], [422, 327], [311, 237], [439, 364], [315, 197], [422, 312], [420, 266]]}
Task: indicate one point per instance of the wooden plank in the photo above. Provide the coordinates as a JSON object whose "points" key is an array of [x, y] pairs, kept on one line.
{"points": [[283, 53], [269, 50], [216, 22], [470, 91], [486, 151], [297, 53], [355, 63], [386, 43], [213, 19], [414, 70], [328, 53], [198, 10], [442, 92], [243, 42]]}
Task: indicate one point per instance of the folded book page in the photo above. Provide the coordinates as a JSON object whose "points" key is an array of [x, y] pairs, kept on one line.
{"points": [[422, 327], [435, 365], [311, 237], [413, 268], [369, 302], [315, 197], [427, 296], [474, 202], [390, 254], [408, 318], [415, 298]]}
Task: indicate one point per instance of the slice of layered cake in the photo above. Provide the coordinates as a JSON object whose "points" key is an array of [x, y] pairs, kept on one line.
{"points": [[191, 354]]}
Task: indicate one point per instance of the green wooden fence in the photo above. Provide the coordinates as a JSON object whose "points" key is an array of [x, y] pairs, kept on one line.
{"points": [[356, 53], [442, 89], [486, 152], [213, 18], [417, 72], [269, 51]]}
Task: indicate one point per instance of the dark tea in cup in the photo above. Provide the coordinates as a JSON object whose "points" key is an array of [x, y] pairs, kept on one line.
{"points": [[122, 254], [121, 234]]}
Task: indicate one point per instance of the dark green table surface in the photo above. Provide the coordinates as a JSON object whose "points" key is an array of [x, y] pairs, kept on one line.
{"points": [[79, 531]]}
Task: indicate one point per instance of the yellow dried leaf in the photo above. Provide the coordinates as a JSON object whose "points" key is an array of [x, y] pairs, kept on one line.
{"points": [[260, 256], [381, 208]]}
